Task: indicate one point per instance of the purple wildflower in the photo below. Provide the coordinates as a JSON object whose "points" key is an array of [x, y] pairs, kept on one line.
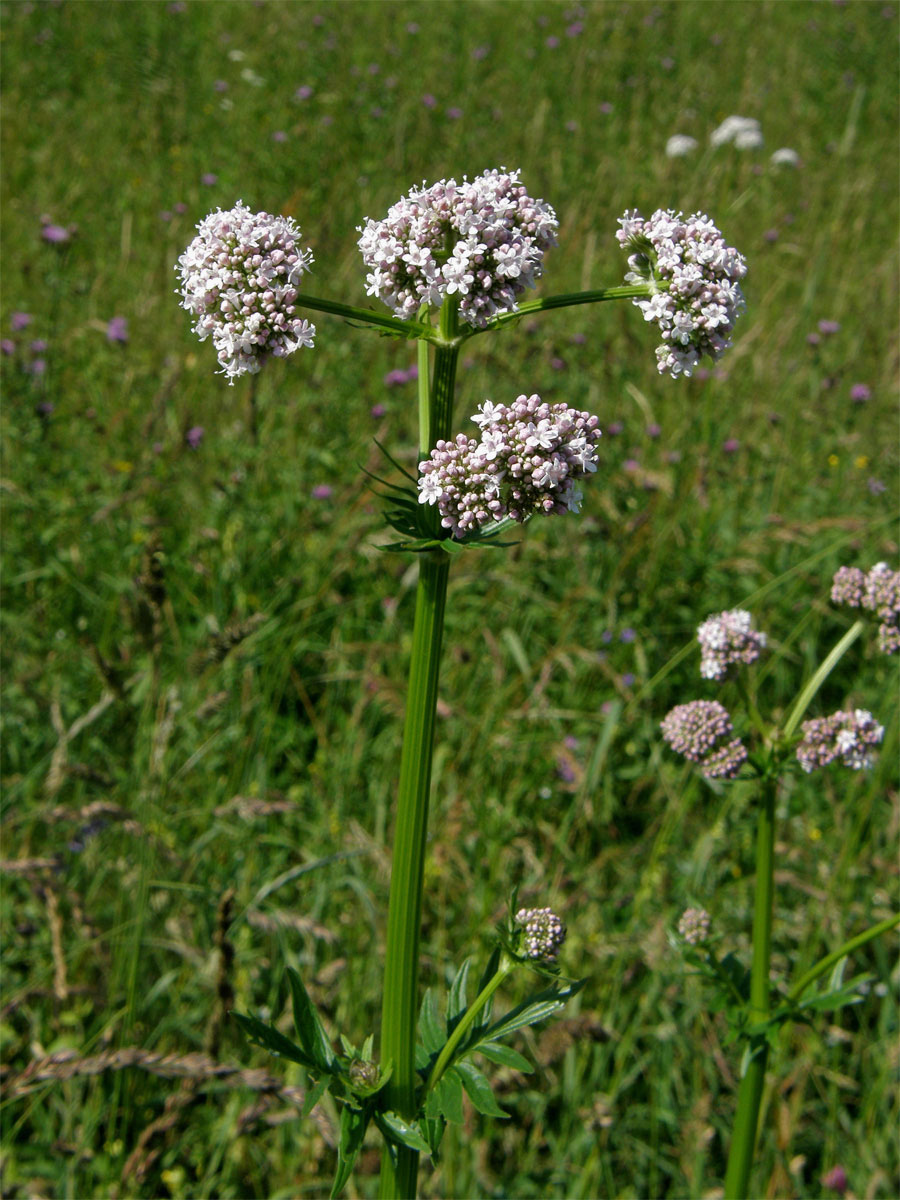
{"points": [[700, 730], [220, 85], [876, 486], [37, 367], [654, 430], [836, 1180], [209, 179], [239, 278], [727, 638], [844, 736], [377, 410], [694, 926], [627, 635], [429, 101], [7, 346], [454, 113], [731, 446], [827, 328], [322, 491], [117, 330], [55, 234], [279, 136], [529, 459], [543, 933], [19, 321], [860, 393], [38, 346], [481, 240], [194, 436], [303, 93], [694, 276]]}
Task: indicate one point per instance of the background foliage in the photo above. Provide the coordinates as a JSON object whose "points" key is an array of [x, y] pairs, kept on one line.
{"points": [[205, 653]]}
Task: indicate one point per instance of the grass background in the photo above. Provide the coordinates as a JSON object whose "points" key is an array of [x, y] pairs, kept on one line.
{"points": [[205, 663]]}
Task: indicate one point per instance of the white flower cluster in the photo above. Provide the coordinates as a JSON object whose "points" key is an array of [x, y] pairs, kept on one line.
{"points": [[695, 279], [727, 638], [700, 730], [877, 590], [482, 241], [544, 933], [745, 132], [239, 278], [694, 926], [849, 738], [528, 460]]}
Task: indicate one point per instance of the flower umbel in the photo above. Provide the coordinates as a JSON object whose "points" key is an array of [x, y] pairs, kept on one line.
{"points": [[845, 737], [482, 241], [528, 460], [701, 731], [694, 926], [727, 638], [239, 278], [877, 590], [544, 933], [695, 277]]}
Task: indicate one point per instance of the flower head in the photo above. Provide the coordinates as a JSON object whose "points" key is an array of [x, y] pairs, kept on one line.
{"points": [[680, 144], [743, 131], [701, 731], [845, 737], [239, 278], [117, 330], [695, 278], [528, 459], [877, 590], [482, 241], [543, 933], [694, 926], [727, 638]]}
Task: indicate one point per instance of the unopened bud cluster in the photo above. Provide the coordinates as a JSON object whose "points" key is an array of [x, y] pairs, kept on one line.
{"points": [[364, 1073], [483, 241], [694, 926], [701, 730], [878, 591], [239, 278], [695, 277], [543, 933], [528, 460], [725, 639], [848, 738]]}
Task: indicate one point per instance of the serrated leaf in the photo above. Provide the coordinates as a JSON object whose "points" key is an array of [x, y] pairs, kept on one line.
{"points": [[456, 1001], [273, 1040], [478, 1089], [400, 1131], [309, 1027], [433, 1036], [314, 1095], [536, 1008], [353, 1130], [505, 1056], [449, 1097]]}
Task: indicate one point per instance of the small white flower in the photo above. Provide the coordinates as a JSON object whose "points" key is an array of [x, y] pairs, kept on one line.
{"points": [[734, 126], [680, 144], [785, 157]]}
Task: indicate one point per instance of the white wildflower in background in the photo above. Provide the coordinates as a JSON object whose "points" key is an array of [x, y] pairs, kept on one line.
{"points": [[680, 144], [239, 278], [694, 926], [701, 730], [483, 241], [695, 276], [849, 738], [544, 933], [744, 132], [728, 638], [785, 157], [528, 459]]}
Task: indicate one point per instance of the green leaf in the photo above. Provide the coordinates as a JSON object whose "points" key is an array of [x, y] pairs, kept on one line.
{"points": [[402, 1132], [366, 1052], [272, 1040], [506, 1056], [423, 1059], [309, 1027], [434, 1132], [456, 1002], [479, 1089], [353, 1130], [433, 1036], [536, 1008], [314, 1095], [448, 1091]]}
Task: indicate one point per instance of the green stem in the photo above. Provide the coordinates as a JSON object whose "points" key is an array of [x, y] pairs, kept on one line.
{"points": [[399, 1168], [446, 1055], [743, 1138], [629, 291], [835, 956], [411, 329], [826, 667]]}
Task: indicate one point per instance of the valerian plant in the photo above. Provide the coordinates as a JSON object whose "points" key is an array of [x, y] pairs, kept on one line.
{"points": [[451, 262], [702, 731]]}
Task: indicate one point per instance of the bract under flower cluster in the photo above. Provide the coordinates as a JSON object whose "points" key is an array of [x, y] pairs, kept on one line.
{"points": [[878, 591], [483, 241], [528, 460], [847, 737], [725, 639], [695, 276], [239, 278], [701, 731]]}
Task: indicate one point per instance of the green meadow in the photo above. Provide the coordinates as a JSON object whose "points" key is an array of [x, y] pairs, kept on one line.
{"points": [[205, 650]]}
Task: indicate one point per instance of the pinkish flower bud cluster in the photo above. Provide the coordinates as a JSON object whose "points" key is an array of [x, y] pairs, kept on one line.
{"points": [[844, 737], [239, 278], [482, 241], [695, 278], [544, 933], [701, 730], [528, 460], [727, 638], [694, 926], [877, 590]]}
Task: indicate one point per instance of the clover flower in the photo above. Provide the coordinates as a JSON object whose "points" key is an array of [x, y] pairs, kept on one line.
{"points": [[694, 926], [544, 933], [695, 280], [727, 638], [528, 459], [239, 278], [844, 736], [701, 731], [878, 591], [481, 240]]}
